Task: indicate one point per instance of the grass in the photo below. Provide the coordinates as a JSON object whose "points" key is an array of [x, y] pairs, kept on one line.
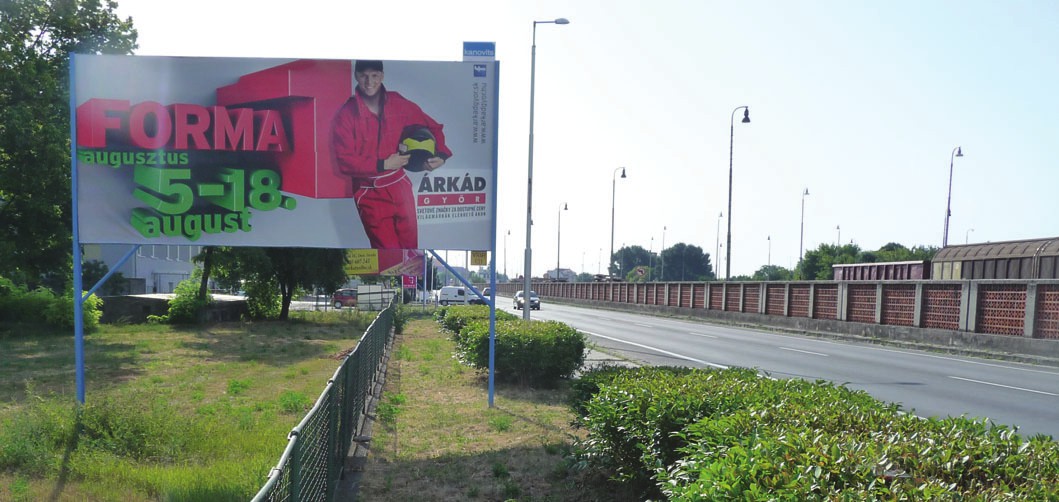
{"points": [[171, 413], [441, 441]]}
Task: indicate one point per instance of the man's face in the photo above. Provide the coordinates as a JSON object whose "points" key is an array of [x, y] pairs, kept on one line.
{"points": [[369, 81]]}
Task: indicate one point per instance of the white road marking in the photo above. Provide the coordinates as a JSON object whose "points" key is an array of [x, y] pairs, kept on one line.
{"points": [[643, 325], [1004, 386], [701, 334], [803, 351], [656, 349]]}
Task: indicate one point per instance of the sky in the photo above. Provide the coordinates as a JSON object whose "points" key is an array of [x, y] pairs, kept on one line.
{"points": [[862, 103]]}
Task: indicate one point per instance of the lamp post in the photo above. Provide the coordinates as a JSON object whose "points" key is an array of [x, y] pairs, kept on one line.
{"points": [[717, 255], [661, 256], [801, 237], [731, 147], [505, 252], [956, 152], [558, 240], [838, 240], [529, 176], [613, 192], [769, 238], [966, 235]]}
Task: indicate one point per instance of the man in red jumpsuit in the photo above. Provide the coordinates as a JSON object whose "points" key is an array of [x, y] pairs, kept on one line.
{"points": [[365, 136]]}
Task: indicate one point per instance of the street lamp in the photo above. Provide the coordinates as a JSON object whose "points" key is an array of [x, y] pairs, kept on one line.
{"points": [[558, 238], [505, 253], [769, 238], [717, 255], [966, 235], [838, 241], [529, 175], [801, 237], [613, 191], [956, 152], [731, 146]]}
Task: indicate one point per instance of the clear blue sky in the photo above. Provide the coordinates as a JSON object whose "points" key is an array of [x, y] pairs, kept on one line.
{"points": [[860, 102]]}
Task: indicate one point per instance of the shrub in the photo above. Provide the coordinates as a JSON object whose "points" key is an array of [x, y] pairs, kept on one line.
{"points": [[262, 301], [454, 318], [186, 307], [731, 435], [400, 318], [60, 311], [539, 353], [42, 306]]}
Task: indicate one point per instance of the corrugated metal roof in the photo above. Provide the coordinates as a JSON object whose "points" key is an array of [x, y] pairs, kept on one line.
{"points": [[993, 250]]}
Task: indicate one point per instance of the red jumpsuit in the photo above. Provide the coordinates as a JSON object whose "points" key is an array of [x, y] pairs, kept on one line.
{"points": [[361, 141]]}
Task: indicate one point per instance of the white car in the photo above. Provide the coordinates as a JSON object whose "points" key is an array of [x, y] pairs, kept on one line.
{"points": [[534, 301]]}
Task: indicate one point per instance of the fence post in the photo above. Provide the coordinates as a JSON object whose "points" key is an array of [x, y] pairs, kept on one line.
{"points": [[787, 300], [335, 454], [968, 306], [917, 315], [1031, 310], [812, 300], [878, 302], [842, 301], [764, 298], [295, 467]]}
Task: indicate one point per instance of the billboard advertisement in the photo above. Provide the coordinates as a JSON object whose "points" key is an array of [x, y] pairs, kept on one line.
{"points": [[387, 262], [354, 154]]}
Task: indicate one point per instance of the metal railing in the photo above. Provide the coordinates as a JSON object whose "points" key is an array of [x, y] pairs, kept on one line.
{"points": [[311, 465]]}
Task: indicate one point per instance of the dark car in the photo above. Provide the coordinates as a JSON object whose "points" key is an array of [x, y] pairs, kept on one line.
{"points": [[344, 298], [534, 301], [488, 293]]}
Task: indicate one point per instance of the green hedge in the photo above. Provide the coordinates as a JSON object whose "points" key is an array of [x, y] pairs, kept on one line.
{"points": [[454, 317], [18, 305], [534, 353], [726, 435]]}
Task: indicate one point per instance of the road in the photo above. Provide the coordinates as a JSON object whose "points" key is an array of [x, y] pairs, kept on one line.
{"points": [[924, 383]]}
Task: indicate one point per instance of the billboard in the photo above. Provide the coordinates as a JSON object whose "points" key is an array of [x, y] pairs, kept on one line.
{"points": [[387, 262], [355, 154]]}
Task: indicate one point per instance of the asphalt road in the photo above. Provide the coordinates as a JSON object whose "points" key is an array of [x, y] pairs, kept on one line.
{"points": [[924, 383]]}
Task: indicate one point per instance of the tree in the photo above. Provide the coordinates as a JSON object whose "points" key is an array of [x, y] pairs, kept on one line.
{"points": [[627, 258], [284, 268], [684, 262], [772, 273], [93, 270], [36, 39], [816, 264]]}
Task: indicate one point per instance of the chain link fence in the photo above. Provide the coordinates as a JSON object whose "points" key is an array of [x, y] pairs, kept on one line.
{"points": [[311, 465]]}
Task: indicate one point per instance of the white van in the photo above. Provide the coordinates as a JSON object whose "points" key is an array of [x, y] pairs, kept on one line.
{"points": [[449, 295]]}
